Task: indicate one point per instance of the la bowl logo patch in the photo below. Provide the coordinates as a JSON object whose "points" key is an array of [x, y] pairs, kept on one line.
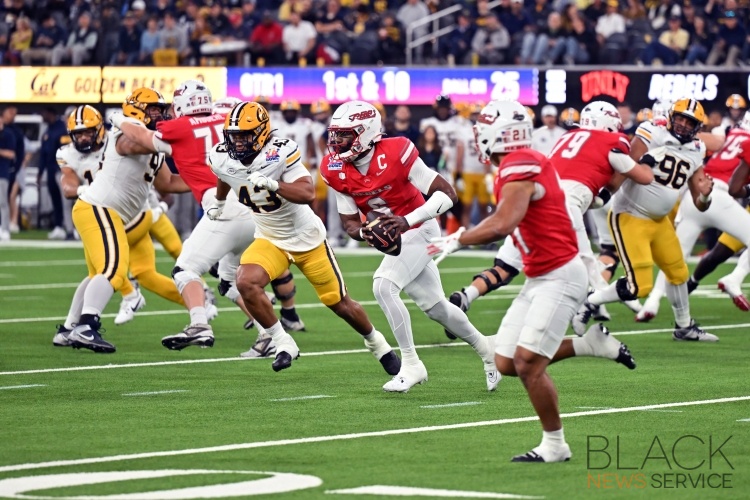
{"points": [[272, 155], [336, 165]]}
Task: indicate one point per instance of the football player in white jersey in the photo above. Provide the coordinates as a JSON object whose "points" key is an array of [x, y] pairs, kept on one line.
{"points": [[298, 129], [471, 181], [643, 232], [279, 190], [115, 198]]}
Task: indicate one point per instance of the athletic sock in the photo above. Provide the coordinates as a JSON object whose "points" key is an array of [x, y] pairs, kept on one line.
{"points": [[471, 293], [97, 295], [605, 296], [678, 297], [198, 316], [553, 439], [76, 305], [289, 313]]}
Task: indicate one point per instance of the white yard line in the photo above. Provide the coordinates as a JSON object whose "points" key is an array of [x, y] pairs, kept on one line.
{"points": [[302, 398], [27, 386], [453, 405], [409, 491], [154, 393], [310, 354], [345, 437], [744, 420]]}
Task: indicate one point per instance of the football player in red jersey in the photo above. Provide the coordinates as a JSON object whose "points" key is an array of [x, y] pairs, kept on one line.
{"points": [[189, 139], [724, 214], [585, 158], [531, 333], [370, 173]]}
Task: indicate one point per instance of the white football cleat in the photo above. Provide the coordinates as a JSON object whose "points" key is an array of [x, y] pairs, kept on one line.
{"points": [[286, 352], [734, 290], [493, 377], [57, 233], [263, 347], [408, 377], [633, 305], [128, 308]]}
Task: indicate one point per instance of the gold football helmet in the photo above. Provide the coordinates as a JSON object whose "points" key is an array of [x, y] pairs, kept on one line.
{"points": [[320, 106], [644, 115], [736, 101], [531, 113], [86, 128], [246, 130], [146, 105], [290, 105], [685, 130], [263, 100], [570, 117]]}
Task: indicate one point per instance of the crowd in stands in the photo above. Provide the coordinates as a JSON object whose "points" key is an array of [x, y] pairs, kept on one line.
{"points": [[362, 32]]}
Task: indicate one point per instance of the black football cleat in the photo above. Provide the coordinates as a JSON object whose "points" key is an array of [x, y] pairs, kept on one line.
{"points": [[283, 361], [85, 337]]}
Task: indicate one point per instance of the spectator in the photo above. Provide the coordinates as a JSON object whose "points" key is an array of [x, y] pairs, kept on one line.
{"points": [[539, 14], [149, 41], [595, 10], [48, 36], [172, 36], [362, 20], [482, 12], [582, 37], [298, 38], [109, 25], [543, 138], [458, 42], [162, 7], [552, 43], [364, 42], [701, 42], [520, 28], [670, 47], [218, 22], [331, 26], [410, 12], [200, 34], [139, 9], [20, 41], [55, 136], [249, 18], [401, 125], [729, 41], [7, 159], [430, 151], [80, 45], [4, 32], [610, 31], [265, 40], [661, 12], [129, 46], [635, 11], [491, 42], [390, 40], [8, 118]]}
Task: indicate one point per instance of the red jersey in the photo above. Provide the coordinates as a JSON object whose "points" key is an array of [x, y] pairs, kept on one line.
{"points": [[582, 155], [386, 184], [545, 236], [723, 162], [192, 138]]}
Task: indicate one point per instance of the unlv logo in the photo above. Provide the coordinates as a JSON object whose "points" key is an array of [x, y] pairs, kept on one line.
{"points": [[362, 115]]}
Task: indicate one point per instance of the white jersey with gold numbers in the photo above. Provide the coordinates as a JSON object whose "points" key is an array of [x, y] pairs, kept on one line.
{"points": [[297, 131], [680, 162], [123, 183], [289, 226], [85, 165]]}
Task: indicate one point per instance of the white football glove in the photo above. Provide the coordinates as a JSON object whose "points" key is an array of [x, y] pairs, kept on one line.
{"points": [[117, 119], [81, 190], [214, 210], [261, 181], [445, 245]]}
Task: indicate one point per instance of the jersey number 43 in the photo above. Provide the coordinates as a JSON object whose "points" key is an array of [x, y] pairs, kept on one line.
{"points": [[274, 202]]}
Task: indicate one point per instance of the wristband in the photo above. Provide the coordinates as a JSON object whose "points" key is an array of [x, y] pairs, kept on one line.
{"points": [[605, 195], [705, 199], [360, 234], [81, 190]]}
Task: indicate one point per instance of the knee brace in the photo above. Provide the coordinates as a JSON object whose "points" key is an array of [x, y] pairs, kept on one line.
{"points": [[499, 281], [623, 289], [182, 277], [611, 252], [229, 290], [283, 281]]}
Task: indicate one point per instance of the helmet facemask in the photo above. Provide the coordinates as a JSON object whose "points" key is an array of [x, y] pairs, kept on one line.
{"points": [[84, 140], [344, 143], [684, 127], [243, 144]]}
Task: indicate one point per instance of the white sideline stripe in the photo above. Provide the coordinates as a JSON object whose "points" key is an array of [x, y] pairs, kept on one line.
{"points": [[744, 420], [408, 491], [451, 405], [154, 393], [22, 386], [307, 354], [300, 398], [62, 262], [299, 277], [344, 437]]}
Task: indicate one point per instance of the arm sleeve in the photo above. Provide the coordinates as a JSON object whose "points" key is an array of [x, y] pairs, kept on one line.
{"points": [[621, 162], [345, 204], [421, 176]]}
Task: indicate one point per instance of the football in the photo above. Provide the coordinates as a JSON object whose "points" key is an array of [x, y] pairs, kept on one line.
{"points": [[388, 242]]}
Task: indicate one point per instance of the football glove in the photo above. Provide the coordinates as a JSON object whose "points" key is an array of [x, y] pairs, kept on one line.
{"points": [[81, 190], [653, 157], [214, 210], [117, 119], [261, 181], [445, 245]]}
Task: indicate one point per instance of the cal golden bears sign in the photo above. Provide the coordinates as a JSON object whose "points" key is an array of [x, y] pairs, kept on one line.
{"points": [[84, 85]]}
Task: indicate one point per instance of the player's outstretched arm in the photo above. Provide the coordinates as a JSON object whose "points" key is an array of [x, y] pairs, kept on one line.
{"points": [[701, 186], [167, 182], [637, 148], [354, 228], [514, 203], [738, 187], [70, 183], [713, 142], [300, 191]]}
